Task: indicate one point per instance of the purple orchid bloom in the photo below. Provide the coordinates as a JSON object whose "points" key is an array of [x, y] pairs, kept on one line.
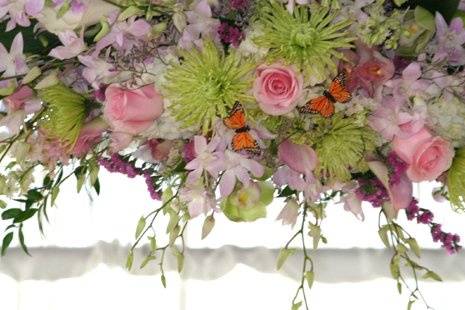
{"points": [[19, 11], [450, 40]]}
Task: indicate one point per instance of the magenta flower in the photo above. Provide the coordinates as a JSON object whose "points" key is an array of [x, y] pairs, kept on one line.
{"points": [[371, 71], [73, 46], [14, 62], [237, 166], [450, 40]]}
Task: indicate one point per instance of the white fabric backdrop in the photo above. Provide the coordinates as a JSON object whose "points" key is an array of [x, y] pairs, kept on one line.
{"points": [[89, 276]]}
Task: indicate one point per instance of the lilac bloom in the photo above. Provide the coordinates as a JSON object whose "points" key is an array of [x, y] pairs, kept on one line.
{"points": [[96, 70], [450, 40], [14, 62], [208, 159], [390, 120], [200, 24], [124, 35], [19, 11], [410, 84], [237, 167], [73, 46]]}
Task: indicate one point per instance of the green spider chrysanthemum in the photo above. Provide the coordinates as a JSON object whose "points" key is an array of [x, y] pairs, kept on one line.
{"points": [[206, 85], [65, 113], [341, 146], [456, 181], [308, 38]]}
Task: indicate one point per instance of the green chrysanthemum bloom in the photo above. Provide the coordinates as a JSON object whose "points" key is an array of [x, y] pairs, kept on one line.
{"points": [[65, 113], [206, 84], [308, 38], [342, 145], [456, 181]]}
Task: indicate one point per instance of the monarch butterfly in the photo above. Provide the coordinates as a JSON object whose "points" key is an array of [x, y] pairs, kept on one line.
{"points": [[242, 140], [324, 105]]}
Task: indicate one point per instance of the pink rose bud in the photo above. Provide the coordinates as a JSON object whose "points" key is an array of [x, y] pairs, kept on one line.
{"points": [[132, 111], [277, 89]]}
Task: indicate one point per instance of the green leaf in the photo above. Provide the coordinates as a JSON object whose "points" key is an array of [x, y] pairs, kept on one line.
{"points": [[414, 246], [140, 227], [104, 30], [394, 267], [163, 280], [147, 260], [6, 242], [54, 194], [11, 213], [315, 233], [399, 2], [399, 288], [284, 254], [208, 225], [25, 215], [21, 240], [129, 12], [179, 258], [447, 8], [424, 18], [286, 192], [63, 10], [130, 260], [34, 195], [432, 275], [296, 306], [410, 304], [3, 204], [310, 277], [153, 244]]}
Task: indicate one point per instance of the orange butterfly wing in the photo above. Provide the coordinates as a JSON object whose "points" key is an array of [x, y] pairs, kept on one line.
{"points": [[243, 141], [320, 105], [338, 89], [236, 118]]}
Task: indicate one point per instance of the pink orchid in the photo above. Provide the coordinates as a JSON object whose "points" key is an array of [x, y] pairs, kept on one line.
{"points": [[400, 193], [73, 46], [96, 70], [410, 84], [450, 40], [237, 166], [198, 200], [351, 201], [124, 35], [14, 62], [19, 11], [207, 159], [300, 158], [90, 135], [289, 213], [285, 176], [200, 24]]}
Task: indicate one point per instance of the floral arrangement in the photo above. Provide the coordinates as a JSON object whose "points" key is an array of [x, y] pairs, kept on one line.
{"points": [[224, 106]]}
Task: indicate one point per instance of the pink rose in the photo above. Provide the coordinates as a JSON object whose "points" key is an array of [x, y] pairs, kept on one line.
{"points": [[277, 89], [427, 156], [90, 135], [132, 110]]}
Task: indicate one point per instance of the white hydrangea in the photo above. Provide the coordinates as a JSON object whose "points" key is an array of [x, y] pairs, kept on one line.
{"points": [[446, 117]]}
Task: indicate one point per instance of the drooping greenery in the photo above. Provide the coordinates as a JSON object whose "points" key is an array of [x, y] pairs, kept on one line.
{"points": [[65, 113], [206, 84], [456, 181], [309, 38]]}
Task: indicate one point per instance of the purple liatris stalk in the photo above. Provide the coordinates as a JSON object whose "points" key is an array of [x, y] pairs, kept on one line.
{"points": [[117, 164], [372, 191], [397, 168], [449, 241]]}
